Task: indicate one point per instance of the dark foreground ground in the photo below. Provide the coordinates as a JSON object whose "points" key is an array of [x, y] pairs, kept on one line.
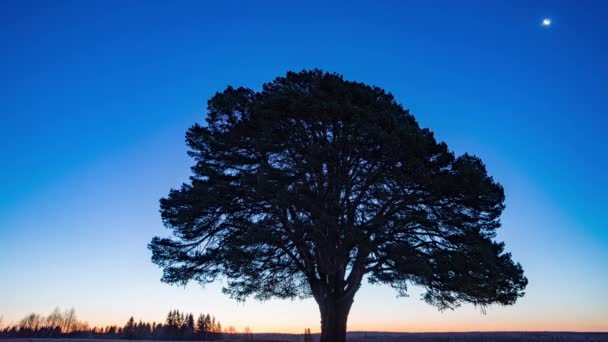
{"points": [[388, 337], [477, 337]]}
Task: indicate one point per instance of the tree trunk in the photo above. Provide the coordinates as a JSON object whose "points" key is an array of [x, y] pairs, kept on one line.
{"points": [[334, 315]]}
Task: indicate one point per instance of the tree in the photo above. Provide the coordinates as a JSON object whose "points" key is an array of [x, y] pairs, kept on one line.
{"points": [[218, 330], [69, 321], [112, 330], [173, 324], [213, 325], [32, 322], [315, 183], [55, 319], [308, 336], [248, 333], [189, 327], [201, 326], [208, 322], [129, 331]]}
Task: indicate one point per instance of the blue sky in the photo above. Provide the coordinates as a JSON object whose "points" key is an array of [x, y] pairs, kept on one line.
{"points": [[95, 98]]}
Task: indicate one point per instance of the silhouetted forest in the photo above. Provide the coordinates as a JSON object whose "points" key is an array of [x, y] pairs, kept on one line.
{"points": [[65, 324], [205, 327]]}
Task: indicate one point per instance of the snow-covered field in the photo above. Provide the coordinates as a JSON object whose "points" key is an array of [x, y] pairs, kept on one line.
{"points": [[391, 337]]}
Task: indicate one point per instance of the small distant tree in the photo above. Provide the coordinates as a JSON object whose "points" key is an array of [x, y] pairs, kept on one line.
{"points": [[214, 327], [189, 327], [308, 336], [172, 324], [190, 321], [55, 318], [129, 331], [248, 333], [201, 326], [315, 183], [69, 321], [112, 330], [208, 322], [218, 329], [159, 331], [31, 322], [148, 330]]}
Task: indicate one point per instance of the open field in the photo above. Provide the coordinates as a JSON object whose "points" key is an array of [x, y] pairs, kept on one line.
{"points": [[394, 337], [477, 336]]}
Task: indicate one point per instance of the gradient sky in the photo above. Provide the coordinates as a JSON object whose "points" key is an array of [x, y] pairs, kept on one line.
{"points": [[95, 98]]}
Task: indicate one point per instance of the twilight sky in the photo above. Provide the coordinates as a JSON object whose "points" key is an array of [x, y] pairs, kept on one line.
{"points": [[95, 98]]}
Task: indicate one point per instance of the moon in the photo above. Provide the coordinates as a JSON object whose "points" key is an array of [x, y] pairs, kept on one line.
{"points": [[546, 22]]}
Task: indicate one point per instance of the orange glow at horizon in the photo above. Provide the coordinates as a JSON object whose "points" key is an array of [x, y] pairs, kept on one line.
{"points": [[432, 326]]}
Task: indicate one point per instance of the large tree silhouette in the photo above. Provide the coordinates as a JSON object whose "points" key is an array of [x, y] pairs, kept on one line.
{"points": [[315, 183]]}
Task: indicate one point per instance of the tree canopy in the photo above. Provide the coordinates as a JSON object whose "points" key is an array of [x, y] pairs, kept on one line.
{"points": [[314, 183]]}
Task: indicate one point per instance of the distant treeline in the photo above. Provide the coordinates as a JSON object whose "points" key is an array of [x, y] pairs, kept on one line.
{"points": [[177, 326]]}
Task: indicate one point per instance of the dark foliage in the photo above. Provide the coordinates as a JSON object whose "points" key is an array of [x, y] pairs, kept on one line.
{"points": [[314, 183], [178, 327]]}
